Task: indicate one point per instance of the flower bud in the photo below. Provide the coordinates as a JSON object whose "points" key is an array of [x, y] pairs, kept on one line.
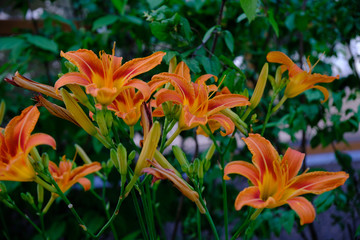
{"points": [[160, 159], [260, 86], [109, 119], [2, 110], [82, 154], [40, 195], [122, 158], [114, 158], [180, 157], [78, 114], [80, 95], [28, 198], [172, 65], [131, 156], [70, 66], [100, 119]]}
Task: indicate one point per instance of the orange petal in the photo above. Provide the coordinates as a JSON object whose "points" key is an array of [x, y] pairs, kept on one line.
{"points": [[138, 66], [317, 182], [243, 168], [303, 208], [85, 183], [168, 95], [155, 84], [18, 130], [141, 86], [39, 139], [72, 78], [224, 101], [293, 159], [279, 57], [183, 70], [324, 91], [251, 197], [224, 121], [182, 85], [86, 61], [86, 169], [202, 79], [264, 154]]}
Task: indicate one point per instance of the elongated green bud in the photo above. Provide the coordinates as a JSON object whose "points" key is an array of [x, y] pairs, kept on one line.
{"points": [[164, 162], [114, 158], [78, 114], [180, 157], [70, 66], [40, 195], [82, 154], [109, 119], [79, 93], [147, 153], [260, 86], [131, 156], [278, 76], [100, 119], [2, 110], [122, 158]]}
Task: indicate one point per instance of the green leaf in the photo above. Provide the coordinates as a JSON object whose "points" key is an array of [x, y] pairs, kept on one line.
{"points": [[324, 202], [211, 65], [42, 42], [249, 7], [344, 160], [160, 30], [169, 55], [273, 23], [154, 3], [104, 21], [208, 33], [290, 22], [9, 43], [119, 5], [186, 29], [229, 40], [193, 65], [288, 219]]}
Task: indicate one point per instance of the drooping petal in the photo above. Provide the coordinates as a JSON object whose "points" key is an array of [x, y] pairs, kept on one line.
{"points": [[303, 208], [224, 122], [138, 66], [72, 78], [264, 154], [251, 197], [243, 168], [223, 101], [317, 182], [324, 91], [168, 95], [293, 159], [86, 61], [203, 78], [39, 139], [141, 86], [85, 183]]}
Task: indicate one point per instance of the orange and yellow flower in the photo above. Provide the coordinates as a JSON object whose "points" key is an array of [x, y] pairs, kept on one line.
{"points": [[275, 181], [197, 107], [159, 173], [300, 80], [105, 77], [65, 176], [16, 142]]}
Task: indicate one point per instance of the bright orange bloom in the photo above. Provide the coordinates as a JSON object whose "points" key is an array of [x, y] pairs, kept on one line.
{"points": [[105, 77], [16, 142], [300, 80], [65, 176], [197, 107], [275, 181], [127, 104], [159, 173]]}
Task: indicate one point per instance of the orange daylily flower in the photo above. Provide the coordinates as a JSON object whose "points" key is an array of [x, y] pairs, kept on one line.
{"points": [[159, 173], [197, 107], [300, 80], [16, 142], [275, 181], [127, 105], [105, 77], [65, 176]]}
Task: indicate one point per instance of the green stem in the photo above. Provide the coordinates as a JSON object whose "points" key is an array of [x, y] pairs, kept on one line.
{"points": [[71, 208], [48, 205], [246, 223], [279, 104], [207, 214], [171, 139], [198, 215], [148, 212], [165, 132], [268, 113], [25, 216], [131, 134], [43, 233], [246, 114], [138, 213], [44, 184]]}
